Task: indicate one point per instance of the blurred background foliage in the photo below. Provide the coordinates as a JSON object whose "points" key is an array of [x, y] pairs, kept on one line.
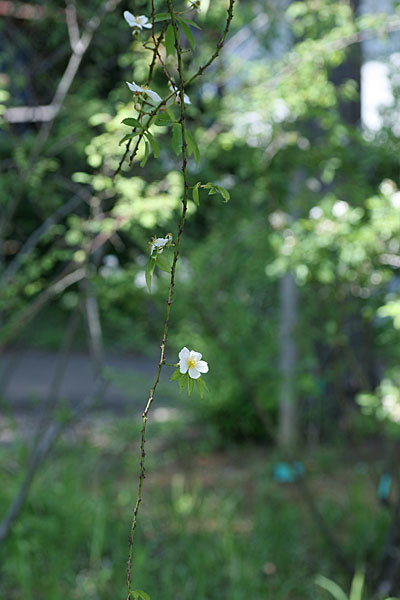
{"points": [[314, 216]]}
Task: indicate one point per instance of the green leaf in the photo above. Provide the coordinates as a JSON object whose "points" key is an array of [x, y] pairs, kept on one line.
{"points": [[330, 586], [149, 272], [217, 188], [161, 17], [177, 139], [192, 23], [143, 595], [176, 375], [164, 120], [224, 193], [164, 123], [153, 143], [181, 378], [128, 136], [196, 194], [193, 147], [131, 122], [188, 34], [190, 385], [164, 260], [357, 586], [146, 155], [170, 40], [201, 386]]}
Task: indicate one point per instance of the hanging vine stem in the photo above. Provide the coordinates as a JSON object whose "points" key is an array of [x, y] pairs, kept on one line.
{"points": [[191, 79], [162, 362], [157, 42]]}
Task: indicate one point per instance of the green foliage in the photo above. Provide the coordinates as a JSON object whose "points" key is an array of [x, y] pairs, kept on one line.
{"points": [[356, 590], [311, 195], [214, 509], [184, 381]]}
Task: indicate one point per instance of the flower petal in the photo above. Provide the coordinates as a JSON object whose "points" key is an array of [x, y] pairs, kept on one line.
{"points": [[183, 366], [184, 354], [194, 373], [196, 355], [130, 19], [148, 25], [133, 87], [202, 366], [153, 95]]}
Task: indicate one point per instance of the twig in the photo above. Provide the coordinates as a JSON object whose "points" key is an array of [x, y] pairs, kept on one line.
{"points": [[142, 473], [71, 274], [57, 102], [93, 324], [72, 24], [41, 451], [50, 402], [154, 112], [36, 236], [325, 47], [149, 79], [78, 51]]}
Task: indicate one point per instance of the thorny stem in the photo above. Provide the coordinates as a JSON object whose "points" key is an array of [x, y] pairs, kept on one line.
{"points": [[157, 42], [199, 72], [156, 46], [162, 362]]}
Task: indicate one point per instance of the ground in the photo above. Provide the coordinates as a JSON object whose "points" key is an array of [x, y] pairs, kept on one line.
{"points": [[213, 524]]}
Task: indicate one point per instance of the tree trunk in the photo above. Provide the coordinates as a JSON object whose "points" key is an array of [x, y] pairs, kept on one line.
{"points": [[289, 313]]}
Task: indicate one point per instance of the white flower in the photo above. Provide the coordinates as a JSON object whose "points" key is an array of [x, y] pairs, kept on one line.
{"points": [[189, 360], [137, 22], [153, 95], [173, 88], [160, 243], [136, 89]]}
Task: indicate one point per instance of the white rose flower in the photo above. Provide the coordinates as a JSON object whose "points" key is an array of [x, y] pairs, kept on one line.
{"points": [[160, 243], [173, 88], [136, 89], [190, 361], [137, 22], [153, 95]]}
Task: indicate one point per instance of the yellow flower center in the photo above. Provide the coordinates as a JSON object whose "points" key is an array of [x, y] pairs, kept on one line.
{"points": [[192, 363]]}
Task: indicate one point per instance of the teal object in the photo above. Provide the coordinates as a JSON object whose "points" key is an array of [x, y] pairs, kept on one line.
{"points": [[385, 484], [288, 472]]}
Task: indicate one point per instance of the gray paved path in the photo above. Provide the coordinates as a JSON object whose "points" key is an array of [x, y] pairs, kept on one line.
{"points": [[26, 376]]}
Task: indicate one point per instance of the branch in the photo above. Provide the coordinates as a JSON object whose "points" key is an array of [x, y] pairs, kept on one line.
{"points": [[39, 454], [78, 51], [199, 72], [72, 273], [58, 100], [36, 236], [72, 23], [142, 473], [333, 45]]}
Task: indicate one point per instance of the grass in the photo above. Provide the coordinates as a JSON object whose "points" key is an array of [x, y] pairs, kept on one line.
{"points": [[213, 525]]}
